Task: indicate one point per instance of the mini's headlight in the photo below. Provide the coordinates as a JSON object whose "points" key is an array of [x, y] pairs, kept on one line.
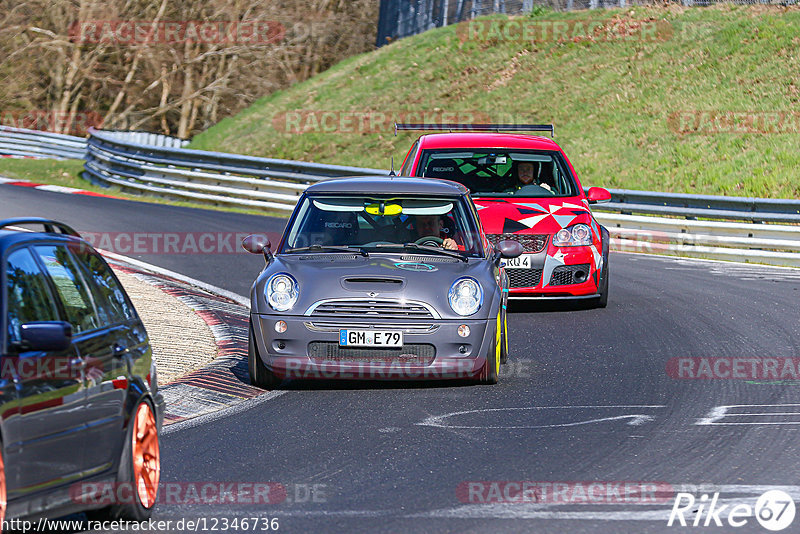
{"points": [[574, 236], [465, 296], [282, 291]]}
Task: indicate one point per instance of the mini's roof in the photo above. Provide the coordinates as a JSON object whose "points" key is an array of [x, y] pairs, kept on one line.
{"points": [[487, 140], [389, 185]]}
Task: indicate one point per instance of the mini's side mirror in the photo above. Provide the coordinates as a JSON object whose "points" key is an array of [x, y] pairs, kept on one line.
{"points": [[45, 336], [596, 195], [508, 249], [258, 244]]}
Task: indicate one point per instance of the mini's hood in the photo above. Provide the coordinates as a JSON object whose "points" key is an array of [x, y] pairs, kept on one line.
{"points": [[419, 277], [531, 215]]}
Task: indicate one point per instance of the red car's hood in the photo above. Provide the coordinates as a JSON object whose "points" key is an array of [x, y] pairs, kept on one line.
{"points": [[531, 215]]}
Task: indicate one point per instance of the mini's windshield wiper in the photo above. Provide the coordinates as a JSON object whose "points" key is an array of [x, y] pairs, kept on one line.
{"points": [[426, 248], [338, 248]]}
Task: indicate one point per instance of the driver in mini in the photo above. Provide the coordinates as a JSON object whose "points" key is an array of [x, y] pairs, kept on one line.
{"points": [[432, 226]]}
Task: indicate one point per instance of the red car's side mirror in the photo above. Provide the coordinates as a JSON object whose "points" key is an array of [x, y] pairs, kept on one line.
{"points": [[596, 195]]}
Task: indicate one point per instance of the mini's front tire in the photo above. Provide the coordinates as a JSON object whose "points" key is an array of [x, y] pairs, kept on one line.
{"points": [[491, 368], [260, 376]]}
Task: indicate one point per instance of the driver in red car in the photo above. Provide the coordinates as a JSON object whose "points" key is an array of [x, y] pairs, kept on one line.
{"points": [[433, 226], [525, 175]]}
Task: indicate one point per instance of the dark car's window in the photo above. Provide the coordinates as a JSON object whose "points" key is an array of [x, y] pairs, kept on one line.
{"points": [[70, 287], [369, 221], [109, 297], [501, 172], [28, 297]]}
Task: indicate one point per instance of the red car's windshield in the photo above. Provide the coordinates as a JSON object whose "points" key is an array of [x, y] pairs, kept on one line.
{"points": [[501, 172]]}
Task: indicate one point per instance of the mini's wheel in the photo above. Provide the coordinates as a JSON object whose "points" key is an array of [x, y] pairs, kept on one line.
{"points": [[491, 369], [260, 376]]}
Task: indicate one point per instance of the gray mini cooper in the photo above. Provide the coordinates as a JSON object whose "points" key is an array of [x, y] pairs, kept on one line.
{"points": [[380, 278]]}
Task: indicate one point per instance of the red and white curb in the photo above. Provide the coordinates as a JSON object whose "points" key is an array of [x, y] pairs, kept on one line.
{"points": [[52, 188], [223, 383]]}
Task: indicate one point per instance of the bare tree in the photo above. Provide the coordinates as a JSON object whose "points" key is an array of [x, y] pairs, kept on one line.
{"points": [[74, 56]]}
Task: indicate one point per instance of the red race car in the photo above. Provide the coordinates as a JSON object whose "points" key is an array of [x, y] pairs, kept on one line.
{"points": [[525, 189]]}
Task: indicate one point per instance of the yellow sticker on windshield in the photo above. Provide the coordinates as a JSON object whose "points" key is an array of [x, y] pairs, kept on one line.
{"points": [[381, 208]]}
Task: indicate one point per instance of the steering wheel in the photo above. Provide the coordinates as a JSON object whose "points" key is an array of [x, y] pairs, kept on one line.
{"points": [[428, 239]]}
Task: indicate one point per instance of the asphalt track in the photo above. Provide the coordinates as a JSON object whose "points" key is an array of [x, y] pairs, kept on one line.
{"points": [[586, 398]]}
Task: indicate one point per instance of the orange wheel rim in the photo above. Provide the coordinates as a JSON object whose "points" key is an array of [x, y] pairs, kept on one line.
{"points": [[146, 460], [2, 492]]}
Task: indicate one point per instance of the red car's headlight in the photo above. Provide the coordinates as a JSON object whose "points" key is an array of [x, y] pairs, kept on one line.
{"points": [[575, 236]]}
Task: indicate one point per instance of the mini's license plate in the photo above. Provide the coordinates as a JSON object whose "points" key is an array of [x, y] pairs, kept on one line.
{"points": [[370, 338], [520, 262]]}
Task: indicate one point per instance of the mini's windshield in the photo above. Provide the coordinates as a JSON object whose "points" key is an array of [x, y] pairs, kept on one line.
{"points": [[369, 223], [499, 172]]}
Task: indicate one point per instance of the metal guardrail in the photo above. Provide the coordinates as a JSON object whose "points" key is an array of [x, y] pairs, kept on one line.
{"points": [[718, 227], [198, 175], [682, 224], [704, 206], [39, 144]]}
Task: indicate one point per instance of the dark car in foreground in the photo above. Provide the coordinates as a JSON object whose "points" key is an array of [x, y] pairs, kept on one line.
{"points": [[79, 409], [380, 278]]}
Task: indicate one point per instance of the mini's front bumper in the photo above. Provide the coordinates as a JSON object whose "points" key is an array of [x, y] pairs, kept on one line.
{"points": [[432, 349]]}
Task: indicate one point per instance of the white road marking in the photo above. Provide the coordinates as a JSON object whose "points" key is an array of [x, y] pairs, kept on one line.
{"points": [[635, 419], [58, 188], [718, 413]]}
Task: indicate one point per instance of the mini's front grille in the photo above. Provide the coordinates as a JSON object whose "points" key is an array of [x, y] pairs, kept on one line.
{"points": [[418, 354], [365, 308], [564, 275], [524, 277], [531, 243], [406, 328]]}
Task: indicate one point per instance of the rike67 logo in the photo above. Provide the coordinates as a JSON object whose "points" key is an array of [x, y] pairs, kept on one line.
{"points": [[774, 510]]}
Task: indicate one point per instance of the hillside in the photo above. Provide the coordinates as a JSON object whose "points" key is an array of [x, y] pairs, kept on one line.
{"points": [[703, 100]]}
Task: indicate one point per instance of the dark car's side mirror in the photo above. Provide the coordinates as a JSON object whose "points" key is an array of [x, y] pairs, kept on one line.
{"points": [[595, 195], [508, 249], [51, 336], [258, 244]]}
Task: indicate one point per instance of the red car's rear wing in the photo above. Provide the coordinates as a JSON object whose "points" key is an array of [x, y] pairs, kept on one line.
{"points": [[478, 127]]}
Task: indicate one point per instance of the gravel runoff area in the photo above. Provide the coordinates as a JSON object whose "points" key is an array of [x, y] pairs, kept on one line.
{"points": [[180, 338]]}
